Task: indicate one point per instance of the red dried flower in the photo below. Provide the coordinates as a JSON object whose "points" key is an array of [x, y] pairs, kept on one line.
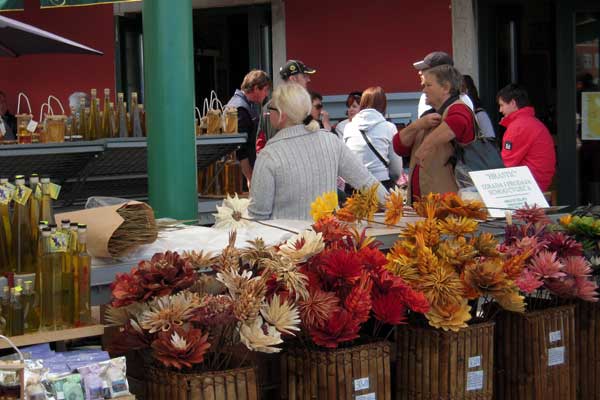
{"points": [[341, 267], [128, 338], [372, 259], [358, 302], [577, 267], [532, 215], [389, 309], [339, 328], [214, 310], [333, 231], [318, 307], [126, 289], [545, 265], [528, 282], [165, 274], [563, 245], [178, 348]]}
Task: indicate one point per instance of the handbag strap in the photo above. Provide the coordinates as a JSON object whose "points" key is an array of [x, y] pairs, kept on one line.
{"points": [[373, 149]]}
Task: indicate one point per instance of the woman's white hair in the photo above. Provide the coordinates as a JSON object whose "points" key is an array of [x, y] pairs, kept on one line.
{"points": [[293, 100]]}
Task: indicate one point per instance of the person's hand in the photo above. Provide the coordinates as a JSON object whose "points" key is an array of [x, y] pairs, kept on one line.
{"points": [[430, 121], [325, 117]]}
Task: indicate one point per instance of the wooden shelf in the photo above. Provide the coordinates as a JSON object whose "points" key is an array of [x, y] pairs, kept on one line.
{"points": [[54, 336]]}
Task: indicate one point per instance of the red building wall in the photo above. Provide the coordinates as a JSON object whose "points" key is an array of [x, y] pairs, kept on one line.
{"points": [[62, 74], [355, 44]]}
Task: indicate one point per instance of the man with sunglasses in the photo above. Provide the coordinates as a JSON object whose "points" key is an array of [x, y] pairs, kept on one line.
{"points": [[317, 112]]}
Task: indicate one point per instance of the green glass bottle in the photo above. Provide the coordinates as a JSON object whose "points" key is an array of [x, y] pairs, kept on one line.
{"points": [[67, 283]]}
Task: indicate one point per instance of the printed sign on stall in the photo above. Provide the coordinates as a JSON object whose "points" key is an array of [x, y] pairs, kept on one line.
{"points": [[590, 115], [507, 189]]}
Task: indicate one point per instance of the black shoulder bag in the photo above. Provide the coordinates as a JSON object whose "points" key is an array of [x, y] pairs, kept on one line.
{"points": [[373, 149]]}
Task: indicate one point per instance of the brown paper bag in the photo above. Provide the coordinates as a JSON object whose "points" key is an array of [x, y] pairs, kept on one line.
{"points": [[114, 231]]}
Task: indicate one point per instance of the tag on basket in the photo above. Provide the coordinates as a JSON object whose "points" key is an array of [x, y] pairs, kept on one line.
{"points": [[32, 126], [361, 384], [475, 380], [556, 356]]}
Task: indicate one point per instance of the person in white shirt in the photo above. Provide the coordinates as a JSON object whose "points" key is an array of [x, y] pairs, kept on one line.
{"points": [[369, 136], [352, 108], [433, 60]]}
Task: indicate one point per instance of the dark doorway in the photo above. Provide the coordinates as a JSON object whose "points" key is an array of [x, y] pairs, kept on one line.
{"points": [[228, 42]]}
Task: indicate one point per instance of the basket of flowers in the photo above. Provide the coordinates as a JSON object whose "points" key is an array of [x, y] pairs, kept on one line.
{"points": [[537, 351], [448, 352], [352, 307], [196, 317], [584, 226]]}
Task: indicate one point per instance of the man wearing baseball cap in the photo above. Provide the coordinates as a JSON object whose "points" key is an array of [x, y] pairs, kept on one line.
{"points": [[296, 71], [293, 71], [431, 60]]}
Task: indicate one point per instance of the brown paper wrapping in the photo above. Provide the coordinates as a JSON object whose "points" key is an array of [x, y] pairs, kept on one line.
{"points": [[102, 222]]}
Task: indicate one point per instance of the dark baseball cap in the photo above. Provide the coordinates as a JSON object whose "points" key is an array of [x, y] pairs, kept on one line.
{"points": [[433, 60], [293, 67]]}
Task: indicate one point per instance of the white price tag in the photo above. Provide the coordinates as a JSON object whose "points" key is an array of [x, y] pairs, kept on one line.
{"points": [[368, 396], [2, 128], [32, 126], [361, 384], [474, 361], [555, 336], [475, 380], [556, 356]]}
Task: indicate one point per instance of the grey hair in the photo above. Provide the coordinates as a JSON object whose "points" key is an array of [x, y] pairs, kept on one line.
{"points": [[447, 75]]}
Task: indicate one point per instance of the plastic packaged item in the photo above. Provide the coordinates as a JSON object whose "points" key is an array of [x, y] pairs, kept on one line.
{"points": [[105, 380], [67, 387]]}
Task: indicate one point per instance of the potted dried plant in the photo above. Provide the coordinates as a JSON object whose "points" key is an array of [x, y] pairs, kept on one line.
{"points": [[553, 276], [353, 304], [448, 351], [196, 329]]}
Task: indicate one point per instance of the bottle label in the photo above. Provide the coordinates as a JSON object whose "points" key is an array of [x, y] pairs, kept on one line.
{"points": [[54, 190], [59, 243], [21, 194], [32, 126], [5, 195], [37, 193]]}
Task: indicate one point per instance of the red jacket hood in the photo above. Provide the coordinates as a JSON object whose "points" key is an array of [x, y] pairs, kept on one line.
{"points": [[522, 112]]}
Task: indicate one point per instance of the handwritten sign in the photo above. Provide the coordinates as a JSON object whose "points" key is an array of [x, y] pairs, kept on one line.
{"points": [[507, 188]]}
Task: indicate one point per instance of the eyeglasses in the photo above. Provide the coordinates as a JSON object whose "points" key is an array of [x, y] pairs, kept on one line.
{"points": [[272, 109], [318, 106]]}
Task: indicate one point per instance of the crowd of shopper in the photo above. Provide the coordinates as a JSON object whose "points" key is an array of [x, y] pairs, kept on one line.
{"points": [[302, 155]]}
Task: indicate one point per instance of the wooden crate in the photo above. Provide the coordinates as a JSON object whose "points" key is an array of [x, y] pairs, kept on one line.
{"points": [[587, 328], [234, 384], [338, 374], [434, 364], [535, 355]]}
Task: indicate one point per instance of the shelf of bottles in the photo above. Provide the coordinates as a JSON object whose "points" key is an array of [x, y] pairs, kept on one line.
{"points": [[221, 178], [86, 122], [47, 267]]}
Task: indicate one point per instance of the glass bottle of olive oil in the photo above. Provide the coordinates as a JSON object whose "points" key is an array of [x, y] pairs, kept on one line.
{"points": [[22, 244], [82, 280], [31, 320]]}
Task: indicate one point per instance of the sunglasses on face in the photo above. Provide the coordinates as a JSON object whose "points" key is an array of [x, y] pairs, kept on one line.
{"points": [[318, 106]]}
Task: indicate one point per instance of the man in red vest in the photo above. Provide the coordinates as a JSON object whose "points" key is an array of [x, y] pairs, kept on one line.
{"points": [[526, 141]]}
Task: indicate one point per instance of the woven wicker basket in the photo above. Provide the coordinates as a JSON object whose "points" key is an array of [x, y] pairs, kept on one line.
{"points": [[535, 355], [587, 329], [339, 374], [233, 384], [434, 364]]}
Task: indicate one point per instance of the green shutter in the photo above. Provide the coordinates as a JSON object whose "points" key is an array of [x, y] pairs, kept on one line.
{"points": [[71, 3], [11, 5]]}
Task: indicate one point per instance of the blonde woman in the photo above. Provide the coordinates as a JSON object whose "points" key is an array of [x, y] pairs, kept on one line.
{"points": [[300, 162]]}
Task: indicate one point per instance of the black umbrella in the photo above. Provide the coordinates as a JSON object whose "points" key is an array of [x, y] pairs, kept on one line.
{"points": [[17, 39]]}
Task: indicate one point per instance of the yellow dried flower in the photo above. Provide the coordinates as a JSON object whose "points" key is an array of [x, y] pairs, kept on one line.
{"points": [[486, 244], [324, 206], [566, 220], [456, 251], [442, 286], [451, 317], [363, 204], [394, 207], [511, 300], [486, 277], [247, 306], [457, 226]]}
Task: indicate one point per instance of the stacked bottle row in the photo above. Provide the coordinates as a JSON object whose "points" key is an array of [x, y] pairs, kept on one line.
{"points": [[21, 207], [54, 260], [93, 122], [221, 178]]}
